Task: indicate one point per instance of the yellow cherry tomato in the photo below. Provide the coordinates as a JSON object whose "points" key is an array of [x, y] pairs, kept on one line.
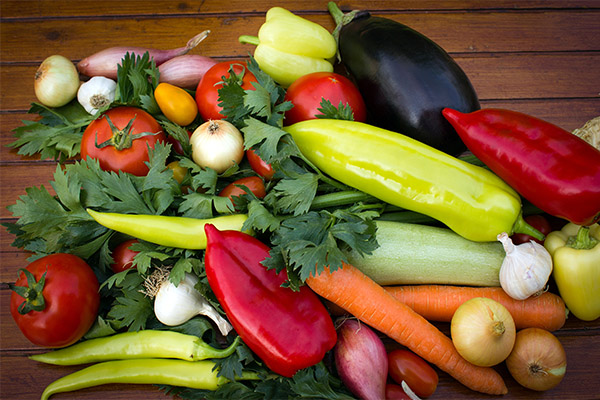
{"points": [[177, 104], [178, 171]]}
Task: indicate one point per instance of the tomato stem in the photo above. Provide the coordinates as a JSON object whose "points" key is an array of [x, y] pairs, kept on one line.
{"points": [[34, 299], [121, 138]]}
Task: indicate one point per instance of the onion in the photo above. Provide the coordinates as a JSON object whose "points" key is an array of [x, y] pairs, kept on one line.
{"points": [[217, 144], [361, 360], [483, 331], [56, 81], [105, 62], [538, 360], [185, 71]]}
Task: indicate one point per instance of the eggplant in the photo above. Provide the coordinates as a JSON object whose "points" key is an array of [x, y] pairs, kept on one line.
{"points": [[405, 78]]}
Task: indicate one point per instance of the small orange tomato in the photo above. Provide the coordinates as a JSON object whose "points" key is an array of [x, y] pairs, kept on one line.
{"points": [[178, 105], [254, 183], [178, 171]]}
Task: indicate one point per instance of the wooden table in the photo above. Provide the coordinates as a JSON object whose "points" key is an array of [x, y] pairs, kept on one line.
{"points": [[538, 57]]}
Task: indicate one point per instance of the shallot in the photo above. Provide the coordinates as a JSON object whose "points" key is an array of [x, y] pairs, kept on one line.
{"points": [[105, 62], [361, 360], [185, 71]]}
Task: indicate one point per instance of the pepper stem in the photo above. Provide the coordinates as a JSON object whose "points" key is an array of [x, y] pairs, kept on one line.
{"points": [[521, 226], [247, 39], [583, 240]]}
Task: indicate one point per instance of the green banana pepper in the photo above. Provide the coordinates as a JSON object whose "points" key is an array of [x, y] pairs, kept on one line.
{"points": [[289, 46], [170, 231], [158, 371], [575, 253], [404, 172], [131, 345]]}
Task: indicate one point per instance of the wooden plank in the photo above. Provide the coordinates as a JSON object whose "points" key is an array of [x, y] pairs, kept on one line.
{"points": [[504, 76], [19, 9], [471, 32]]}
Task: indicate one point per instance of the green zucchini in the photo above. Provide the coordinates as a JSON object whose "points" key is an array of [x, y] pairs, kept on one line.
{"points": [[422, 254]]}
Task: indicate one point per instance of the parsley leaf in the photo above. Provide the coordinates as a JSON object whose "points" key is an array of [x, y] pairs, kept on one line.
{"points": [[329, 111], [137, 77], [57, 135]]}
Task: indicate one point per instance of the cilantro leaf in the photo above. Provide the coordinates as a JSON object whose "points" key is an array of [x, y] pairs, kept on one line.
{"points": [[137, 77], [295, 194]]}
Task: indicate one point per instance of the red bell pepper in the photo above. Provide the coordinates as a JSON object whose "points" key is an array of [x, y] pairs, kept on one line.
{"points": [[288, 330], [555, 170]]}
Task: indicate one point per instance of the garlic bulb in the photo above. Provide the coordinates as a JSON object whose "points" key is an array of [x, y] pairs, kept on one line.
{"points": [[96, 93], [526, 268], [174, 305]]}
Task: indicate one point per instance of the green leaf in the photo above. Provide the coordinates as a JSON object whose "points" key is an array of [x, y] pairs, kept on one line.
{"points": [[295, 195], [131, 310], [259, 218], [329, 111]]}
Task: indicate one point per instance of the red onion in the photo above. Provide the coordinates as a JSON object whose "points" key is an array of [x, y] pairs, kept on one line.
{"points": [[361, 360], [104, 63], [185, 71]]}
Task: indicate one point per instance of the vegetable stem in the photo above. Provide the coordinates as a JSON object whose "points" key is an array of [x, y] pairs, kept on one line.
{"points": [[339, 199], [248, 39]]}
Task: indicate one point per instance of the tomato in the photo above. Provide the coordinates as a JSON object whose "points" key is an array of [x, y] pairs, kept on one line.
{"points": [[207, 95], [404, 365], [176, 104], [395, 392], [259, 166], [307, 92], [176, 144], [539, 222], [123, 256], [122, 150], [71, 297], [253, 183], [178, 171]]}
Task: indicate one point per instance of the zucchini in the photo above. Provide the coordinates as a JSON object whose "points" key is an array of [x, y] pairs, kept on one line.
{"points": [[405, 78], [422, 254]]}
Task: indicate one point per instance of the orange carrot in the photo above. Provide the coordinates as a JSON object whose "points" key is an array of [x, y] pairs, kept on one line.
{"points": [[362, 297], [439, 302]]}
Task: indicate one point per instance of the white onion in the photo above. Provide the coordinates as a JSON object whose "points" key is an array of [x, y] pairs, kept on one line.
{"points": [[217, 144], [56, 81]]}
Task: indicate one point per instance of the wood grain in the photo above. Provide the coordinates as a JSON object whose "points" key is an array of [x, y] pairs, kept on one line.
{"points": [[540, 57]]}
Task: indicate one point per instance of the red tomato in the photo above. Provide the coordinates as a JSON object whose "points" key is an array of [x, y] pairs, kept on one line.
{"points": [[176, 144], [254, 183], [259, 166], [395, 392], [539, 222], [71, 298], [207, 95], [307, 92], [132, 155], [404, 365], [123, 256]]}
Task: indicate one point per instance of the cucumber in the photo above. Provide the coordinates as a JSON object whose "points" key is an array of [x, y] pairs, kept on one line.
{"points": [[422, 254]]}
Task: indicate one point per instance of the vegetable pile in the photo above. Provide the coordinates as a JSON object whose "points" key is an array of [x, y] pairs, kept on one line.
{"points": [[245, 229]]}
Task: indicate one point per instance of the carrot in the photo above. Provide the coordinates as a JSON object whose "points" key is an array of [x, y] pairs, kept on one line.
{"points": [[439, 302], [359, 295]]}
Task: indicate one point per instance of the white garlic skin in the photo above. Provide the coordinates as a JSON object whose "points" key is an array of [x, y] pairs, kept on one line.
{"points": [[96, 93], [526, 268]]}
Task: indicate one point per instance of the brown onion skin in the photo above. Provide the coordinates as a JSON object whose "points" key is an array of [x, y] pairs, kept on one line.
{"points": [[536, 349]]}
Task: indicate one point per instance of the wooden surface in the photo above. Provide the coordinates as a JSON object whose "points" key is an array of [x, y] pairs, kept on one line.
{"points": [[539, 57]]}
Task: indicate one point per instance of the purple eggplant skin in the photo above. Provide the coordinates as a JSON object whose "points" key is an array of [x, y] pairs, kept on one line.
{"points": [[406, 80], [361, 360]]}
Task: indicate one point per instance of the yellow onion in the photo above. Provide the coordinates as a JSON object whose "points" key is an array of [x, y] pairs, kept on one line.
{"points": [[217, 144], [483, 331], [56, 81], [538, 360]]}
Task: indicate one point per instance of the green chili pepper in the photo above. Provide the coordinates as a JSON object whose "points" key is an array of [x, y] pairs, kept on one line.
{"points": [[130, 345], [191, 374], [404, 172], [171, 231], [289, 46]]}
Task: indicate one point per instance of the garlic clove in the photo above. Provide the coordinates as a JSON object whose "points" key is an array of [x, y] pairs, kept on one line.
{"points": [[525, 269], [97, 93]]}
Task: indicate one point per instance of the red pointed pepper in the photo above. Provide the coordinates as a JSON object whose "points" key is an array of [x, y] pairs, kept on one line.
{"points": [[555, 170], [287, 330]]}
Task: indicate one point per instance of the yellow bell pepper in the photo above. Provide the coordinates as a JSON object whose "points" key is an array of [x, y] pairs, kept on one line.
{"points": [[289, 46], [575, 252]]}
